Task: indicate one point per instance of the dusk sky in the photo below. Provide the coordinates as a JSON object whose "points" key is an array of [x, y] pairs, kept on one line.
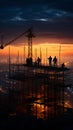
{"points": [[52, 20]]}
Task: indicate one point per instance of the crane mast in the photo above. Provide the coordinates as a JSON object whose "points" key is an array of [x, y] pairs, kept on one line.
{"points": [[30, 35]]}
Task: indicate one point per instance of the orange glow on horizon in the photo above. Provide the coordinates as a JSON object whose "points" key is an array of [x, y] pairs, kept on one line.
{"points": [[44, 50]]}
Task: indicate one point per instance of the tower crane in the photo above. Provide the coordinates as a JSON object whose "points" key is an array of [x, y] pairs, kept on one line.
{"points": [[11, 41], [29, 34]]}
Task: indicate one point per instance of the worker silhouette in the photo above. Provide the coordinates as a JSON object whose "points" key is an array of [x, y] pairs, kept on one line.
{"points": [[63, 65], [50, 61], [55, 61], [38, 60]]}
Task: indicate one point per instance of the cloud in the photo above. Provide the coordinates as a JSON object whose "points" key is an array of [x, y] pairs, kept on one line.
{"points": [[50, 16], [17, 18], [28, 14]]}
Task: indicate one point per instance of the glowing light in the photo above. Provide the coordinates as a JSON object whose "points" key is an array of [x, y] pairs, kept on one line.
{"points": [[67, 104], [46, 48]]}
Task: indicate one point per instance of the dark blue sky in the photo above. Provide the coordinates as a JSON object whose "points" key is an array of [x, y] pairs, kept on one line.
{"points": [[49, 18]]}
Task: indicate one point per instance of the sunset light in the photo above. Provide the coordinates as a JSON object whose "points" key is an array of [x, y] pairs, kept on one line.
{"points": [[36, 64], [62, 51]]}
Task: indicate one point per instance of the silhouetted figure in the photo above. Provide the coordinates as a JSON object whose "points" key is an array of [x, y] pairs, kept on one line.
{"points": [[38, 60], [63, 65], [29, 61], [50, 60], [55, 61]]}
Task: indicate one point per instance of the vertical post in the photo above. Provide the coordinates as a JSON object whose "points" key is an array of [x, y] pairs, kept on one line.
{"points": [[59, 54], [31, 47], [28, 47], [9, 61], [63, 92], [24, 54], [40, 55], [9, 98], [18, 60], [46, 56]]}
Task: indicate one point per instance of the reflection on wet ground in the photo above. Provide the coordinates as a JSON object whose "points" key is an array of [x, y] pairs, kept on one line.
{"points": [[40, 100], [39, 97]]}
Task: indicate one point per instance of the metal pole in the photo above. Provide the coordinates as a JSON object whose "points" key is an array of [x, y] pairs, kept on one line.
{"points": [[24, 62], [9, 61], [59, 54]]}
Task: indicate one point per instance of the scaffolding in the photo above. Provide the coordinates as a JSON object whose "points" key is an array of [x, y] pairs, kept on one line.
{"points": [[41, 90]]}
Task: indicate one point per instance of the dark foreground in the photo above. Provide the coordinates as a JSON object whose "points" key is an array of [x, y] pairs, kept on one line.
{"points": [[25, 122]]}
